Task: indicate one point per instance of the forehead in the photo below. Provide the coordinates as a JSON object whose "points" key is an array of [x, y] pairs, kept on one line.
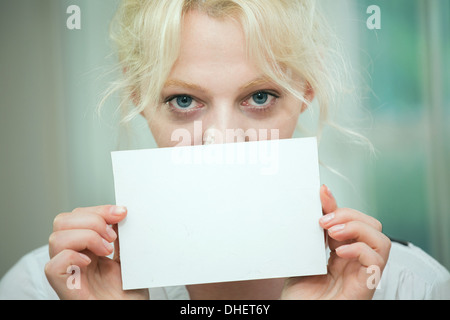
{"points": [[213, 55], [204, 37]]}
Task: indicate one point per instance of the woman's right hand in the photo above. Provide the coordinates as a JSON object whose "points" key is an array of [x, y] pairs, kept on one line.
{"points": [[81, 241]]}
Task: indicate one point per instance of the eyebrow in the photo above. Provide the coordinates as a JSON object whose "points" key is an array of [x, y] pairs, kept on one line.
{"points": [[184, 84], [188, 85], [255, 82]]}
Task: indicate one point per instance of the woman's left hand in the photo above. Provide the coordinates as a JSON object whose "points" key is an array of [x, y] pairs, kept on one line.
{"points": [[359, 252]]}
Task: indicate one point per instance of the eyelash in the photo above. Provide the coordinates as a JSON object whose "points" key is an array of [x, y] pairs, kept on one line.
{"points": [[262, 108], [253, 108], [185, 111]]}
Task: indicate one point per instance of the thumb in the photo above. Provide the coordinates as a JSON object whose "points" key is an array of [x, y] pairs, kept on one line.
{"points": [[328, 201]]}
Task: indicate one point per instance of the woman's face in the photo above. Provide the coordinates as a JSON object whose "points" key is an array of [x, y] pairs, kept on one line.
{"points": [[215, 94]]}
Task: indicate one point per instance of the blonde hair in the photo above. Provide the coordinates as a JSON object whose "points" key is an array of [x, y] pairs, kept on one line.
{"points": [[287, 39]]}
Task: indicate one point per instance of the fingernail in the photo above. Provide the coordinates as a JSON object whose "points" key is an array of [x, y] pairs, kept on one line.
{"points": [[118, 210], [111, 233], [85, 257], [107, 245], [342, 248], [327, 218], [328, 191], [337, 227]]}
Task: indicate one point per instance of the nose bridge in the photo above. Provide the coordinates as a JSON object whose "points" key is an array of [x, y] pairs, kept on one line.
{"points": [[223, 116], [223, 124]]}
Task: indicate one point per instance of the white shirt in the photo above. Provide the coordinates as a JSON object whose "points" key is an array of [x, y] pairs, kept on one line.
{"points": [[409, 274]]}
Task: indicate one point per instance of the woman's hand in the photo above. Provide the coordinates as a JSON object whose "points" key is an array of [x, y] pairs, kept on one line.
{"points": [[81, 241], [358, 251]]}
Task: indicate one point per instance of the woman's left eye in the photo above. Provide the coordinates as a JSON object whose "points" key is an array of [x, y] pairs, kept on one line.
{"points": [[260, 99]]}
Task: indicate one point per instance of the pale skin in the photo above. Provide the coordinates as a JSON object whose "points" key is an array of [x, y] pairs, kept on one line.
{"points": [[213, 82]]}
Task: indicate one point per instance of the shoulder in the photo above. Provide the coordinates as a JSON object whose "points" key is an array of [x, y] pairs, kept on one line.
{"points": [[411, 273], [26, 280]]}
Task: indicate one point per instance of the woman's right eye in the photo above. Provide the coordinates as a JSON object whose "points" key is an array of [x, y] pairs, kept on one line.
{"points": [[183, 103]]}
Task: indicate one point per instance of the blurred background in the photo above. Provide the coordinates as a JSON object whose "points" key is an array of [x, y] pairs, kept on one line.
{"points": [[55, 150]]}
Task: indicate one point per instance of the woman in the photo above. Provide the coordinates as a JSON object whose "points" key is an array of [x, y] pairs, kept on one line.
{"points": [[249, 64]]}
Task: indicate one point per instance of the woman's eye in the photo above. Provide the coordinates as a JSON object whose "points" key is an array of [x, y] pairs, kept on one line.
{"points": [[260, 100], [183, 102], [260, 97]]}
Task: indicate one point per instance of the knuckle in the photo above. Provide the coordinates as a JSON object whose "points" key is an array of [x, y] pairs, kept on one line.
{"points": [[384, 248], [378, 225], [58, 222], [52, 239], [340, 212], [78, 210], [48, 268], [96, 222], [347, 214], [92, 239], [65, 257], [380, 262], [53, 244], [354, 227], [69, 256], [387, 243]]}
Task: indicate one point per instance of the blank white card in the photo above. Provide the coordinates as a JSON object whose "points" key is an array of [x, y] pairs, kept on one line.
{"points": [[221, 212]]}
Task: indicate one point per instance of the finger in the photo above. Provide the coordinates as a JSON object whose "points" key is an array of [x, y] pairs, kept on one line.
{"points": [[110, 213], [344, 215], [84, 219], [328, 201], [79, 240], [60, 267], [363, 253], [357, 231], [328, 205]]}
